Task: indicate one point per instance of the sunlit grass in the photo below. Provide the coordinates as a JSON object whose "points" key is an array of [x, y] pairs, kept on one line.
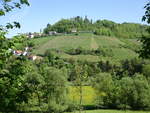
{"points": [[89, 95], [111, 111]]}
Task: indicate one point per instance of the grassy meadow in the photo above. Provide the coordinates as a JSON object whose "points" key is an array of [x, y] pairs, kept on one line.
{"points": [[111, 111], [89, 95]]}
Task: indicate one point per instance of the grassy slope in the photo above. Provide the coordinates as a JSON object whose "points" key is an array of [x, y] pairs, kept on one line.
{"points": [[63, 43], [121, 48]]}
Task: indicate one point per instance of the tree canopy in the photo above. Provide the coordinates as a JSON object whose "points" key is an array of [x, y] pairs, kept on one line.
{"points": [[100, 27], [145, 39], [8, 6]]}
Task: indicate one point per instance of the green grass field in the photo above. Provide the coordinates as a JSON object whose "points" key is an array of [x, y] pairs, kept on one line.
{"points": [[89, 98], [120, 48], [111, 111], [89, 95]]}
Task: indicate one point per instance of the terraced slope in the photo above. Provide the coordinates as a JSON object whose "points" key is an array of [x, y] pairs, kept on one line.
{"points": [[119, 49]]}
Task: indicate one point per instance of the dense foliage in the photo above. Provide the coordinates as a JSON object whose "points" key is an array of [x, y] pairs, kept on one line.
{"points": [[7, 6], [145, 39], [13, 90], [100, 27], [43, 85]]}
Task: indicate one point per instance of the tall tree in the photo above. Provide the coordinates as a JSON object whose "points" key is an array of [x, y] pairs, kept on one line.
{"points": [[55, 89], [145, 51], [81, 77], [11, 81]]}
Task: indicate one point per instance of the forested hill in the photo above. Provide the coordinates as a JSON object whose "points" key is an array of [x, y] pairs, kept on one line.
{"points": [[99, 27]]}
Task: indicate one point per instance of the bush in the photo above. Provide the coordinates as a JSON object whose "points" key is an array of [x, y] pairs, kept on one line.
{"points": [[126, 93], [146, 70], [72, 107], [103, 31]]}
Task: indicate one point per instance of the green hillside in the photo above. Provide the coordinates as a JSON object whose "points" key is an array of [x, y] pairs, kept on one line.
{"points": [[98, 27], [116, 49]]}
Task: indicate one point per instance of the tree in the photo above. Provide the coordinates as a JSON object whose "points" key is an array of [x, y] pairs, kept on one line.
{"points": [[145, 51], [12, 88], [35, 82], [104, 84], [134, 92], [81, 77], [55, 89], [125, 92], [8, 6], [4, 52], [141, 93], [146, 70]]}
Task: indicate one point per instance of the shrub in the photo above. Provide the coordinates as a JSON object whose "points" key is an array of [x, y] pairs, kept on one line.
{"points": [[146, 70]]}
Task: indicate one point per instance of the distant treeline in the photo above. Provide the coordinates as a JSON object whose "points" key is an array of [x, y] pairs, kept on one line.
{"points": [[100, 27]]}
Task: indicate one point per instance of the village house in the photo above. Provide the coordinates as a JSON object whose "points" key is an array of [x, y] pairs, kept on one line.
{"points": [[74, 30], [33, 35], [34, 57], [20, 52], [26, 48], [25, 53], [52, 32], [17, 52], [29, 35]]}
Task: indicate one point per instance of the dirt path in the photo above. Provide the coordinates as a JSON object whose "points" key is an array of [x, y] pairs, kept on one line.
{"points": [[94, 44]]}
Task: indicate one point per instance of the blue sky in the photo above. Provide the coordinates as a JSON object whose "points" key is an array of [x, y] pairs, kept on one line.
{"points": [[41, 12]]}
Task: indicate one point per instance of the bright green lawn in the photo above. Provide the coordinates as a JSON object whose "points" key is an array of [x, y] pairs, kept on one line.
{"points": [[112, 111], [89, 98], [89, 95]]}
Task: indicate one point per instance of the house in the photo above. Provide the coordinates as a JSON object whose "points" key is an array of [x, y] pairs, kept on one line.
{"points": [[33, 35], [37, 35], [10, 50], [39, 58], [26, 48], [25, 53], [52, 32], [32, 57], [17, 52], [29, 35], [74, 30]]}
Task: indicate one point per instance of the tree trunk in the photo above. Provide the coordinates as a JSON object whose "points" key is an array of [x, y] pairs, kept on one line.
{"points": [[80, 97]]}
